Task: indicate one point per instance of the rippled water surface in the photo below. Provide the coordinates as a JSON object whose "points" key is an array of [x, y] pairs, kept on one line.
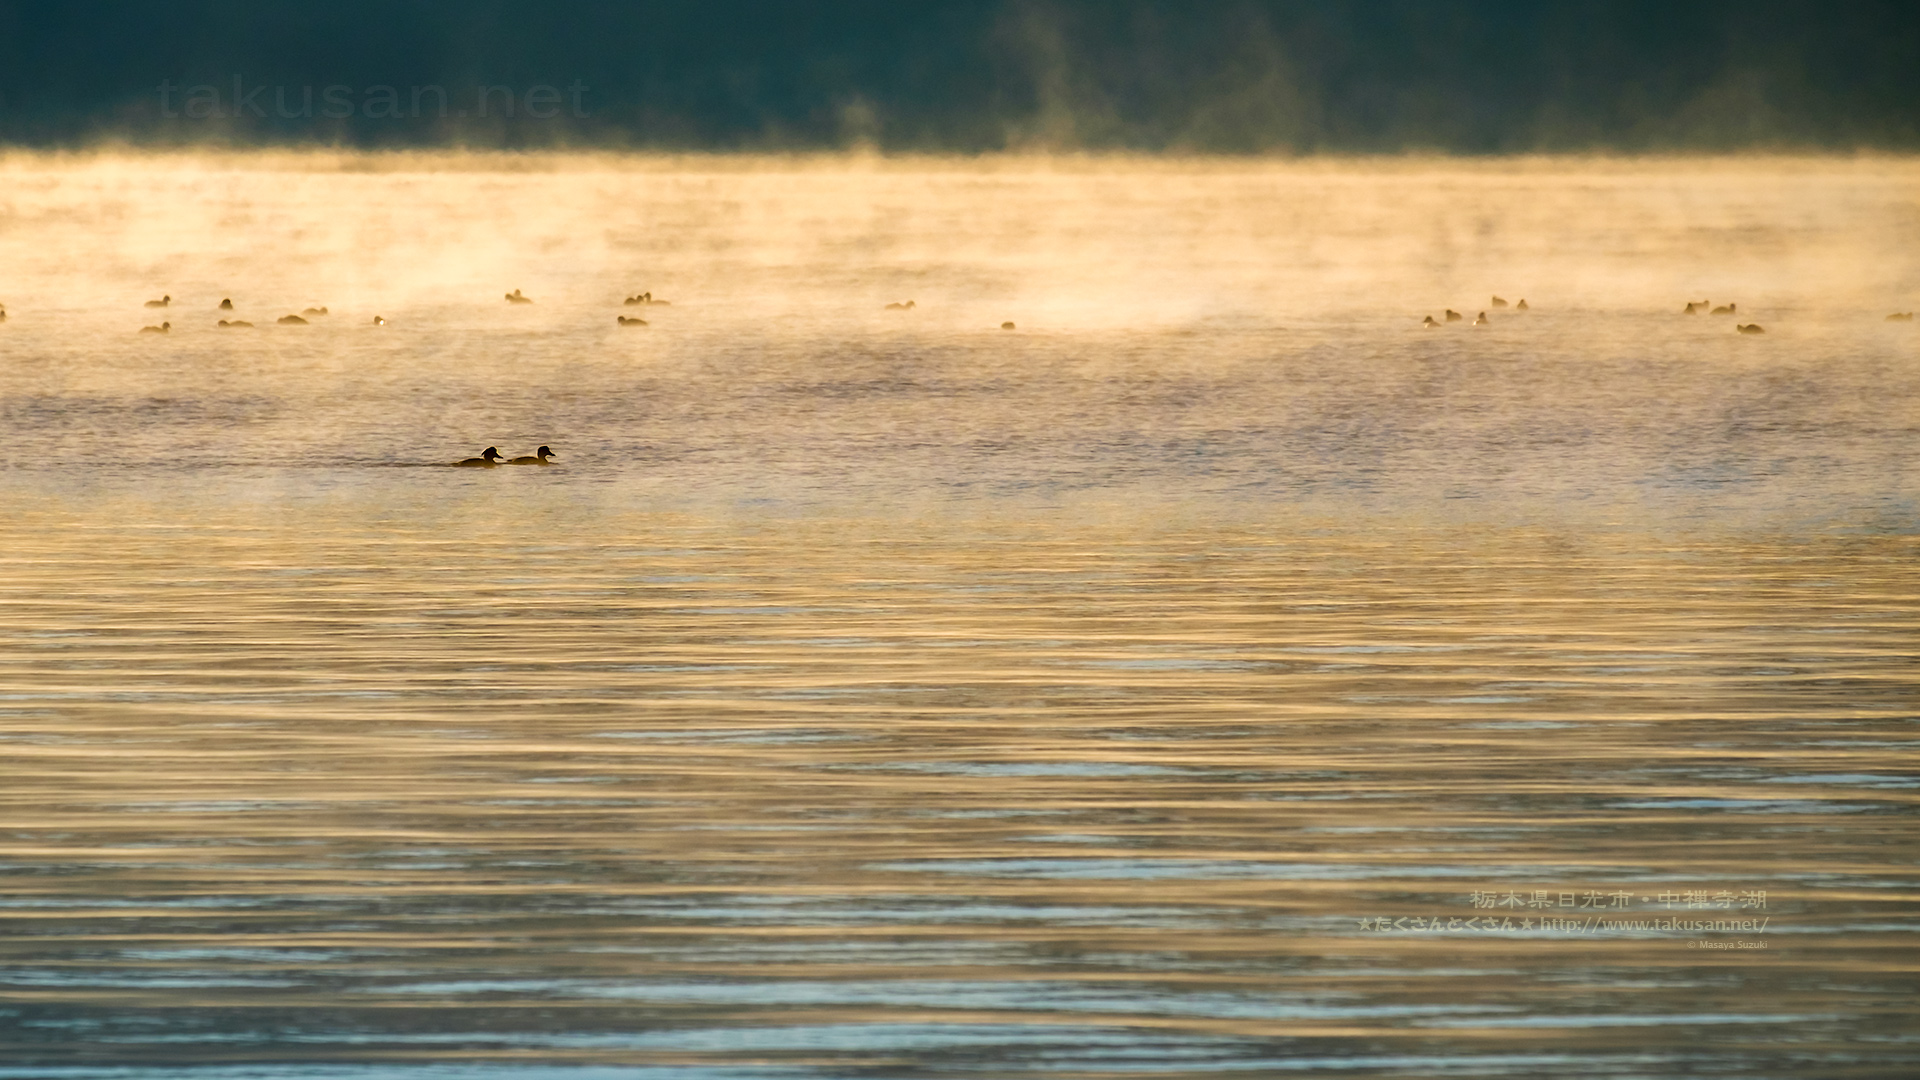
{"points": [[1215, 675]]}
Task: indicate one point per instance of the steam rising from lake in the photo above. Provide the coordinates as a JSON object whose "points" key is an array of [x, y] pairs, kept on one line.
{"points": [[878, 689], [1262, 317]]}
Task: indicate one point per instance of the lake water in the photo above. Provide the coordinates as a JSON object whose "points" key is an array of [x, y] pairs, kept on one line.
{"points": [[1218, 674]]}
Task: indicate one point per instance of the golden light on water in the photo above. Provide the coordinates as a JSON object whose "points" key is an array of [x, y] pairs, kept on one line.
{"points": [[872, 689]]}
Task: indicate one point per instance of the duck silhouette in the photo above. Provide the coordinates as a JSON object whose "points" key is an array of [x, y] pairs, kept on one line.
{"points": [[538, 457], [231, 324], [1454, 316], [1522, 305], [291, 320], [488, 459], [1429, 322], [514, 297], [1750, 328], [161, 329], [908, 306], [1006, 326], [378, 321], [1726, 310], [1898, 316], [1482, 320], [645, 299], [624, 321], [162, 302], [312, 311], [1497, 302], [226, 305]]}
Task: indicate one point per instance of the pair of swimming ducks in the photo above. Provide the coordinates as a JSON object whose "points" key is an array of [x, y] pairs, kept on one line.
{"points": [[490, 457]]}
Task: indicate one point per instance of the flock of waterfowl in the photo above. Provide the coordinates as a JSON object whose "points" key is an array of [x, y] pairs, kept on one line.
{"points": [[226, 304], [306, 317], [1479, 320], [1694, 307], [645, 299], [490, 457]]}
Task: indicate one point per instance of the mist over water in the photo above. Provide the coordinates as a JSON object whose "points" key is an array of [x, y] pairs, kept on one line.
{"points": [[1155, 688]]}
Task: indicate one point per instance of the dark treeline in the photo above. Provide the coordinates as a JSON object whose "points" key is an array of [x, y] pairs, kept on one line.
{"points": [[1235, 76]]}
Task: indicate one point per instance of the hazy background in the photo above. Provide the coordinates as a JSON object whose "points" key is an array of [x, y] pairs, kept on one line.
{"points": [[1480, 76]]}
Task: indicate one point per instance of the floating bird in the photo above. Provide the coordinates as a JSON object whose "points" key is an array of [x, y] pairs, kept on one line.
{"points": [[314, 311], [291, 320], [1726, 310], [539, 457], [514, 297], [161, 329], [162, 302], [642, 299], [1522, 305], [1497, 302], [484, 461], [1750, 328], [378, 321], [908, 306], [1696, 307], [1454, 316], [1482, 320], [1006, 326], [624, 321], [226, 305], [1898, 316], [241, 323], [1429, 322]]}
